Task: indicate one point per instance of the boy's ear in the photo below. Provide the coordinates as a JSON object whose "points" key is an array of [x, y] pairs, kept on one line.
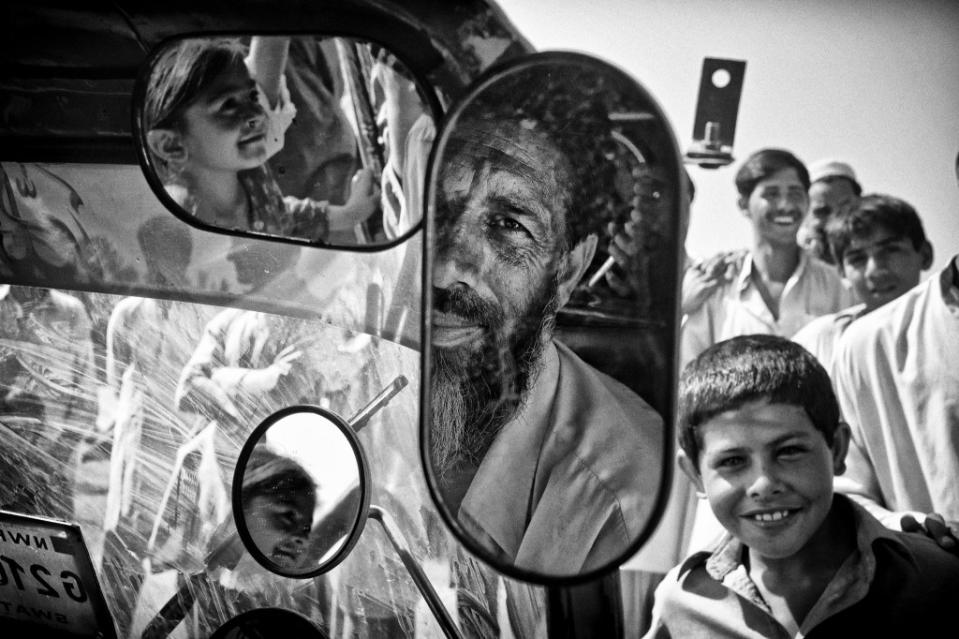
{"points": [[927, 254], [573, 266], [688, 467], [167, 145], [840, 445]]}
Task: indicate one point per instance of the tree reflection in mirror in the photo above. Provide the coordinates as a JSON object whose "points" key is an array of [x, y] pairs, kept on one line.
{"points": [[554, 209], [299, 492], [318, 139]]}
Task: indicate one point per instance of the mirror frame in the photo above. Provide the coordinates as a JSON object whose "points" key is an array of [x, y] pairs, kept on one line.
{"points": [[138, 103], [272, 616], [667, 464], [365, 489]]}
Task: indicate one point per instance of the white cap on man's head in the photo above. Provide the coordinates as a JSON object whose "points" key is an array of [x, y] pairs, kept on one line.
{"points": [[829, 169]]}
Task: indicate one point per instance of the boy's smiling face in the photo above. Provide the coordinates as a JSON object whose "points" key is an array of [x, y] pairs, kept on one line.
{"points": [[881, 266], [768, 475], [777, 206]]}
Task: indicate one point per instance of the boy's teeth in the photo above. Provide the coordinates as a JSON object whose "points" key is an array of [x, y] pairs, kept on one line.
{"points": [[775, 516]]}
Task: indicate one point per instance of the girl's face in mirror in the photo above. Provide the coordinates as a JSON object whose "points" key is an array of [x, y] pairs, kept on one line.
{"points": [[280, 526], [225, 128]]}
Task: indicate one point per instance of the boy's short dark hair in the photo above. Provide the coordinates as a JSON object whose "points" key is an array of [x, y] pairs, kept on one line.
{"points": [[271, 475], [749, 368], [764, 163], [875, 211]]}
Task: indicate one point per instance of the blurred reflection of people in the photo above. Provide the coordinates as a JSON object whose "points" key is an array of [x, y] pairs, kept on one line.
{"points": [[547, 463], [46, 373], [47, 363], [148, 342], [318, 154], [248, 364], [408, 134]]}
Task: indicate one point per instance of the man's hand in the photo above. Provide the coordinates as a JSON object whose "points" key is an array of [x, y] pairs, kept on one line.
{"points": [[261, 381], [944, 533], [698, 285], [702, 279]]}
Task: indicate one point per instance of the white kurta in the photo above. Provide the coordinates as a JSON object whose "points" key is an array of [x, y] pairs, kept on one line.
{"points": [[737, 307], [897, 376]]}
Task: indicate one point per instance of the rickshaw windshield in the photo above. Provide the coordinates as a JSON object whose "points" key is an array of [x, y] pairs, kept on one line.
{"points": [[129, 389]]}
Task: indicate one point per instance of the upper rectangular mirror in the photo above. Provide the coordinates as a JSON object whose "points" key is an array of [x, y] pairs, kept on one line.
{"points": [[317, 139]]}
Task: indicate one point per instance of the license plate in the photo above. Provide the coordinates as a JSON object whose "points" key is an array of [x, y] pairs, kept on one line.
{"points": [[47, 581]]}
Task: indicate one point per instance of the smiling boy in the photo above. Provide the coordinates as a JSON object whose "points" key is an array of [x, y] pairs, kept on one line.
{"points": [[881, 250], [761, 437], [776, 288]]}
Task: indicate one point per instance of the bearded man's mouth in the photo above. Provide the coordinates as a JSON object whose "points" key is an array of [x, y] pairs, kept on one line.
{"points": [[450, 330]]}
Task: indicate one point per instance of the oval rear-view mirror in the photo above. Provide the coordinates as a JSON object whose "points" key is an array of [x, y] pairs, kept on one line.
{"points": [[315, 139], [301, 492], [554, 203]]}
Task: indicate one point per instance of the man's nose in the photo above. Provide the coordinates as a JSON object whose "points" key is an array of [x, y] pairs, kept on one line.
{"points": [[788, 202], [458, 258]]}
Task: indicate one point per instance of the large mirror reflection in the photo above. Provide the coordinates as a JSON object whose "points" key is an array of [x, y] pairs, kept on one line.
{"points": [[299, 492], [554, 208], [321, 139]]}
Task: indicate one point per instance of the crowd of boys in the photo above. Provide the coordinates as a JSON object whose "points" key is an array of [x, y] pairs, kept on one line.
{"points": [[818, 363]]}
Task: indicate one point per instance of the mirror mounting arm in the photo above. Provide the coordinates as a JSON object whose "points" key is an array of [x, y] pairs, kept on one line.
{"points": [[416, 572]]}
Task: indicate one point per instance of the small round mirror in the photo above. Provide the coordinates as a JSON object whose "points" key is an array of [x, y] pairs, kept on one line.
{"points": [[553, 214], [301, 491], [317, 139]]}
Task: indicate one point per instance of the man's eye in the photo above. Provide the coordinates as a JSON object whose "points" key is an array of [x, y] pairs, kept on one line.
{"points": [[507, 224]]}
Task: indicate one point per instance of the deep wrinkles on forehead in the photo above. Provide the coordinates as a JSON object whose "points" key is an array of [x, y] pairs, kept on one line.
{"points": [[521, 152]]}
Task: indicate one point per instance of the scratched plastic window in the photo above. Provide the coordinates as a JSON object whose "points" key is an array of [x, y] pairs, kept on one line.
{"points": [[125, 411]]}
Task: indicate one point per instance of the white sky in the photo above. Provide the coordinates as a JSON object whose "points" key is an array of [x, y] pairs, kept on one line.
{"points": [[321, 448], [871, 82]]}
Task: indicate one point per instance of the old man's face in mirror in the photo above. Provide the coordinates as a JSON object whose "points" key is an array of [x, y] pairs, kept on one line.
{"points": [[502, 259], [523, 433]]}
